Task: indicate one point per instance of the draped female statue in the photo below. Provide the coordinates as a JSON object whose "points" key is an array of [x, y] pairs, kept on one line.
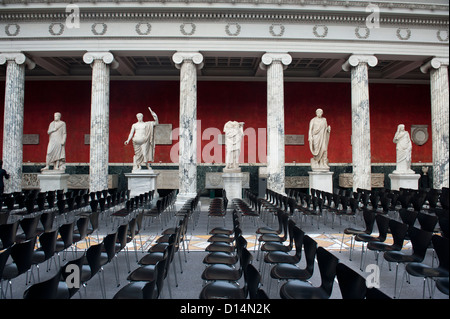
{"points": [[318, 137], [234, 131], [404, 148]]}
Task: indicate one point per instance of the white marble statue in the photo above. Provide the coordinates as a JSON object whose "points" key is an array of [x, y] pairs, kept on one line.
{"points": [[404, 148], [318, 137], [143, 138], [234, 131], [56, 152]]}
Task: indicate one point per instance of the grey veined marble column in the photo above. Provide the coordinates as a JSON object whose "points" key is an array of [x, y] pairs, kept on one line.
{"points": [[439, 119], [275, 63], [188, 63], [99, 134], [13, 117], [361, 156]]}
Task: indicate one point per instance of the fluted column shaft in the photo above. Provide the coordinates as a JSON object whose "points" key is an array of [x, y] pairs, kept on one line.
{"points": [[99, 130], [275, 63], [188, 63], [440, 119], [361, 154], [13, 118]]}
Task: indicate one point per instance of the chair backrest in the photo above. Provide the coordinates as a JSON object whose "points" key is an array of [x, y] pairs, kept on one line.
{"points": [[149, 291], [66, 232], [82, 226], [399, 231], [310, 247], [427, 222], [383, 226], [252, 280], [327, 266], [47, 289], [29, 226], [351, 283], [22, 254], [48, 243], [109, 242], [8, 233], [4, 255], [122, 233], [298, 239], [369, 220], [93, 255], [440, 245], [420, 241]]}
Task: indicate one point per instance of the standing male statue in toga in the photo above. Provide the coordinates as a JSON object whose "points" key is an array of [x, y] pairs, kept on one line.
{"points": [[143, 138], [234, 131], [56, 153]]}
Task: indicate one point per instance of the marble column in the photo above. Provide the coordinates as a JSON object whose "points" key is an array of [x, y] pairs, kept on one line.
{"points": [[361, 156], [438, 68], [13, 117], [275, 63], [188, 63], [99, 133]]}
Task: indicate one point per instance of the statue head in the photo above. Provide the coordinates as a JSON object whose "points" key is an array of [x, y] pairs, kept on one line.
{"points": [[401, 128], [140, 116], [319, 112], [57, 116]]}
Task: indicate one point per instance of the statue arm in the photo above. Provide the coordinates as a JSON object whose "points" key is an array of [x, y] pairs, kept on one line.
{"points": [[154, 116], [131, 135], [64, 135]]}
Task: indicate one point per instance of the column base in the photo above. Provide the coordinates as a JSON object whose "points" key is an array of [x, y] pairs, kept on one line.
{"points": [[53, 181], [141, 181], [183, 198], [321, 180], [232, 183], [410, 181]]}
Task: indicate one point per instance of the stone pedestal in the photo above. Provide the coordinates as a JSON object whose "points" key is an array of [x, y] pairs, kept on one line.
{"points": [[232, 183], [321, 180], [141, 181], [410, 181], [51, 181]]}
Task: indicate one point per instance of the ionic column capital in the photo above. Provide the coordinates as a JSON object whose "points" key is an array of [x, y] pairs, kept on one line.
{"points": [[18, 58], [181, 56], [434, 63], [106, 57], [356, 59], [270, 57]]}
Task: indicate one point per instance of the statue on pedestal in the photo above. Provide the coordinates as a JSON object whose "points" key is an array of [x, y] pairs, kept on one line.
{"points": [[56, 153], [404, 148], [234, 131], [143, 138], [318, 137]]}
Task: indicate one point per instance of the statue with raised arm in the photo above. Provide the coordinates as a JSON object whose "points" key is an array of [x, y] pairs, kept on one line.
{"points": [[234, 131], [404, 148], [56, 152], [318, 137], [143, 138]]}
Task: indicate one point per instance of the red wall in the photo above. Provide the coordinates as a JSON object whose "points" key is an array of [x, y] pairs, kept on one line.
{"points": [[219, 102]]}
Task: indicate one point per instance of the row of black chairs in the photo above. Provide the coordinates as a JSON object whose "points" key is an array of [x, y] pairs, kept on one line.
{"points": [[147, 281], [277, 254], [228, 262], [217, 209], [60, 239]]}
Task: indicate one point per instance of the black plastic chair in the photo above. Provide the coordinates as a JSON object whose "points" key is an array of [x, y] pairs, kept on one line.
{"points": [[369, 220], [383, 227], [442, 285], [292, 271], [427, 272], [351, 283], [420, 240], [4, 255], [46, 251], [21, 254], [47, 289], [228, 272], [8, 234], [297, 289], [398, 231]]}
